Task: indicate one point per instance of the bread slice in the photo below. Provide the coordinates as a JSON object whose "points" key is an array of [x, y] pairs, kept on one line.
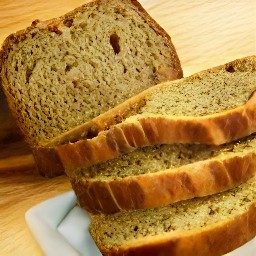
{"points": [[211, 226], [60, 73], [214, 106], [159, 175]]}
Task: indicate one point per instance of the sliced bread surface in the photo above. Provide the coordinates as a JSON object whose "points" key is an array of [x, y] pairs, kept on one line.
{"points": [[60, 73], [211, 226], [214, 106], [159, 175]]}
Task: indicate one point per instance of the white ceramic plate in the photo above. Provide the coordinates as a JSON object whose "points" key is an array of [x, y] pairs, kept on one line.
{"points": [[61, 228]]}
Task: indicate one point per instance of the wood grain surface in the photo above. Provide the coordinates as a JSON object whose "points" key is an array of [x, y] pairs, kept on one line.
{"points": [[205, 33]]}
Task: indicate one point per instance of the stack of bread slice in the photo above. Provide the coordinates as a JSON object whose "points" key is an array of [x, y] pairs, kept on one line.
{"points": [[174, 173]]}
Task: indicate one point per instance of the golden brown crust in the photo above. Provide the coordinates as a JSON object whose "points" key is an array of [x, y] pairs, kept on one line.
{"points": [[213, 240], [122, 138], [162, 188]]}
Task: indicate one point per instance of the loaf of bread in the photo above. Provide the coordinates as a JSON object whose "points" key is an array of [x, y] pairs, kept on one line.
{"points": [[155, 176], [212, 107], [211, 226], [61, 73]]}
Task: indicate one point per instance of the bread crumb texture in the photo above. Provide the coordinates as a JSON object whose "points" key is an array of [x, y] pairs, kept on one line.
{"points": [[123, 228], [205, 93], [162, 157], [64, 74]]}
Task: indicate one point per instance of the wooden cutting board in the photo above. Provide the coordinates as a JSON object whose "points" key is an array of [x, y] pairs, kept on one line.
{"points": [[206, 33]]}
